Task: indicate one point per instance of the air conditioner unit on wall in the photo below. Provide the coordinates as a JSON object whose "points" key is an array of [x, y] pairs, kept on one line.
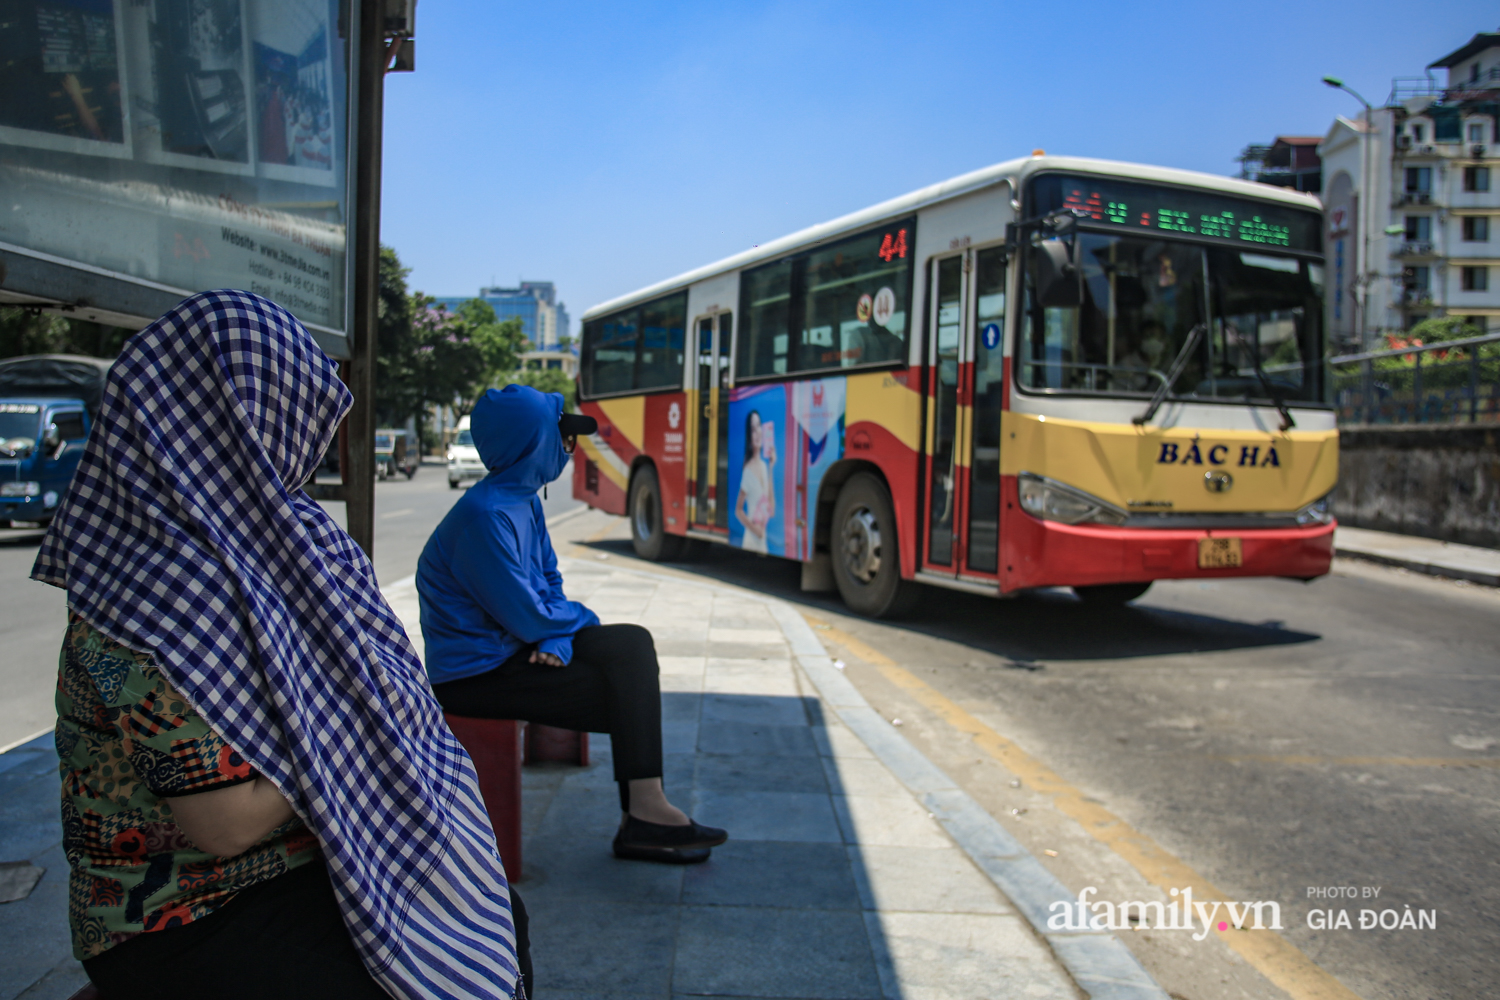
{"points": [[1403, 142]]}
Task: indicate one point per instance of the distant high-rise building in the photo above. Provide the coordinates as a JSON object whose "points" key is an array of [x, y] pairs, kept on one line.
{"points": [[544, 320]]}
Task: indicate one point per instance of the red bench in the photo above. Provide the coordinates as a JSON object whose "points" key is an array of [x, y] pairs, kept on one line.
{"points": [[498, 748]]}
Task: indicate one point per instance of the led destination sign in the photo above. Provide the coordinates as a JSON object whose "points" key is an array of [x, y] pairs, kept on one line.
{"points": [[1149, 207]]}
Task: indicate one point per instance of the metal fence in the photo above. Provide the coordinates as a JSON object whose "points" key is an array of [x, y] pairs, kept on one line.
{"points": [[1453, 382]]}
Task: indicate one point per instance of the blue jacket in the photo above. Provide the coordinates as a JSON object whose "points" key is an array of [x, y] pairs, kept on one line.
{"points": [[488, 579]]}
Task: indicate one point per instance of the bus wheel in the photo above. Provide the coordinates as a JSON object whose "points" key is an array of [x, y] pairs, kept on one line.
{"points": [[1111, 595], [647, 533], [866, 561]]}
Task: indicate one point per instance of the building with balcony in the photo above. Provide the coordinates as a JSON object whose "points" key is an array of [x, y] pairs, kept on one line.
{"points": [[1291, 161], [1413, 240], [544, 320]]}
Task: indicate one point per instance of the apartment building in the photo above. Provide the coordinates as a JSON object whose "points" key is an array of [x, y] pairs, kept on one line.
{"points": [[1419, 237]]}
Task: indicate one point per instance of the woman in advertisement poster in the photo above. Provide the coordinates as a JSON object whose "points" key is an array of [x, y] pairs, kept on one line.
{"points": [[756, 503]]}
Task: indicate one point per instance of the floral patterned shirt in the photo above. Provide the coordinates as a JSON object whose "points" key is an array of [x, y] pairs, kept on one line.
{"points": [[126, 740]]}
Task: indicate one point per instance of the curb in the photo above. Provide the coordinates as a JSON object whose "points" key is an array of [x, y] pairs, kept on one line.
{"points": [[1489, 578], [1099, 963]]}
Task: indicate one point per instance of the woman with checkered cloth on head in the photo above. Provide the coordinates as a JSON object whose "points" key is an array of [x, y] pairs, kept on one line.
{"points": [[260, 796]]}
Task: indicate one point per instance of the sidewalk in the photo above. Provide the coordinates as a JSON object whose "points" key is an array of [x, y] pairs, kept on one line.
{"points": [[856, 868], [1421, 555]]}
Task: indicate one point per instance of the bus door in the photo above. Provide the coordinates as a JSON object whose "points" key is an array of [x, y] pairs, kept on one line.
{"points": [[711, 423], [964, 398]]}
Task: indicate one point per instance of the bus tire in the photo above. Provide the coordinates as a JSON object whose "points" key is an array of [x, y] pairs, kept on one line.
{"points": [[647, 531], [1111, 595], [865, 552]]}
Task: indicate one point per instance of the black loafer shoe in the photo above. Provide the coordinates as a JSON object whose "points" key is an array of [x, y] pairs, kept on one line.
{"points": [[638, 831], [662, 855]]}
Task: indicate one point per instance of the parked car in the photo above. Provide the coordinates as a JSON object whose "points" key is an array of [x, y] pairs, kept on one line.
{"points": [[393, 455], [47, 406], [464, 464]]}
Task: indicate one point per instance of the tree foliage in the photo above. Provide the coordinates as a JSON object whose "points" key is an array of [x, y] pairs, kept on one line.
{"points": [[24, 331], [547, 380]]}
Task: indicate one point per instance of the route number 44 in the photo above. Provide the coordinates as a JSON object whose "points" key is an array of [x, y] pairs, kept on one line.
{"points": [[892, 246]]}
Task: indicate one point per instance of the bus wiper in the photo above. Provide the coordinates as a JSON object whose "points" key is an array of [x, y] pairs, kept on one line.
{"points": [[1173, 373], [1287, 423]]}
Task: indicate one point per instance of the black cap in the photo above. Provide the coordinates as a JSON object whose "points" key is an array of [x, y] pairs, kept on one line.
{"points": [[577, 425]]}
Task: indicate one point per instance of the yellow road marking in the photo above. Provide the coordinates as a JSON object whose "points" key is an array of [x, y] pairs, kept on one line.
{"points": [[1368, 761], [1271, 954]]}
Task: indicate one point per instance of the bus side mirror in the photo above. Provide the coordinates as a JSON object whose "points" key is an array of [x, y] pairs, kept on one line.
{"points": [[52, 438], [1054, 276]]}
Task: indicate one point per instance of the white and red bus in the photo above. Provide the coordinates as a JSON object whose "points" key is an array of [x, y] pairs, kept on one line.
{"points": [[1049, 372]]}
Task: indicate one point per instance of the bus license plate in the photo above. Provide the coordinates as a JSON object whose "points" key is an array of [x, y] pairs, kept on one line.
{"points": [[1219, 553]]}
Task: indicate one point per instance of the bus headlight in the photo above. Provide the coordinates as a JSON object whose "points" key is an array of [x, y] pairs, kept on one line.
{"points": [[1052, 501], [20, 489], [1317, 512]]}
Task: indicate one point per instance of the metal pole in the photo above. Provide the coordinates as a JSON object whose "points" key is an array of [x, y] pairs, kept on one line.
{"points": [[1474, 385], [359, 478]]}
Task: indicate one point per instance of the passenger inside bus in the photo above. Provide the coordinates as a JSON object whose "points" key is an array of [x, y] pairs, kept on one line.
{"points": [[504, 642], [1137, 301]]}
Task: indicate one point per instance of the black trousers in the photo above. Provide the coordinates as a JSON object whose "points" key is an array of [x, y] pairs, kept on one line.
{"points": [[611, 686], [283, 938]]}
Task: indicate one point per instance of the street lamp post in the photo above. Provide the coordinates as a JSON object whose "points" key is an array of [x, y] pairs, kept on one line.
{"points": [[1368, 186]]}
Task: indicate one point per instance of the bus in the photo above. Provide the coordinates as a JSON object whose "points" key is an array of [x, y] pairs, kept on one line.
{"points": [[1051, 372]]}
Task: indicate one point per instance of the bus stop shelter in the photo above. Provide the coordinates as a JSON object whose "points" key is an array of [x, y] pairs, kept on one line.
{"points": [[150, 151]]}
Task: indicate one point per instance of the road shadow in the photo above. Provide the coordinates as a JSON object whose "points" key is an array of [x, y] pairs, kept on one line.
{"points": [[1021, 632]]}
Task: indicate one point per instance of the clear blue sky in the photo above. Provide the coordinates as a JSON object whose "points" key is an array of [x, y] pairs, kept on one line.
{"points": [[605, 146]]}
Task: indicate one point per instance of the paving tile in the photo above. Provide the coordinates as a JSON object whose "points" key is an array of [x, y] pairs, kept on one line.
{"points": [[837, 740], [717, 736], [764, 709], [887, 822], [679, 737], [680, 706], [763, 952], [560, 872], [680, 645], [768, 635], [956, 956], [793, 816], [859, 776], [773, 873], [918, 879], [755, 650], [603, 950], [782, 684], [759, 773], [682, 665]]}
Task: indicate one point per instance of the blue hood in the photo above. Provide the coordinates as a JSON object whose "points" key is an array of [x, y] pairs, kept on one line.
{"points": [[515, 431]]}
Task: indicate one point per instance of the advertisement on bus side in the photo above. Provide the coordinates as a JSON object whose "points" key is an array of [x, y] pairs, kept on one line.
{"points": [[782, 440]]}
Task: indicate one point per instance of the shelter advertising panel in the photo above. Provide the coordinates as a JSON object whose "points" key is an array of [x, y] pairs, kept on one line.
{"points": [[179, 145]]}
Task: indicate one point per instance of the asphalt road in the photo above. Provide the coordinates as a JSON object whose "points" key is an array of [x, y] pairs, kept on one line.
{"points": [[1268, 734], [34, 614]]}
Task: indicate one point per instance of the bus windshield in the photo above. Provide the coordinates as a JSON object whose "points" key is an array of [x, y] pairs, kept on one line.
{"points": [[1118, 326]]}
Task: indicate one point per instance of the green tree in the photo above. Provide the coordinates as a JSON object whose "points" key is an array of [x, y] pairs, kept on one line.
{"points": [[448, 365], [397, 393], [548, 380], [25, 331], [501, 343]]}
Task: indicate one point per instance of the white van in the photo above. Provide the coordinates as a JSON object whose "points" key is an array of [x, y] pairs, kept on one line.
{"points": [[463, 458]]}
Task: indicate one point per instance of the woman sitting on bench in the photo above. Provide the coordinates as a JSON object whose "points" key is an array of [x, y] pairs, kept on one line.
{"points": [[503, 642], [260, 796]]}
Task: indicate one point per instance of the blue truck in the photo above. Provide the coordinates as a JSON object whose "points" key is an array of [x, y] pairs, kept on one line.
{"points": [[48, 402]]}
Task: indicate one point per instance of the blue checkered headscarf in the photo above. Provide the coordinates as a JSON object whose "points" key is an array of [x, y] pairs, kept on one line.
{"points": [[186, 534]]}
